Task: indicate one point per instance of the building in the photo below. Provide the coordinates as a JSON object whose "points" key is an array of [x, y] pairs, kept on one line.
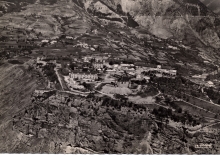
{"points": [[126, 66], [139, 76], [98, 65], [130, 70], [111, 71], [52, 62], [69, 37], [86, 76], [173, 72], [40, 62], [123, 84], [45, 41], [87, 59], [58, 65], [140, 64], [160, 71], [210, 84], [158, 66]]}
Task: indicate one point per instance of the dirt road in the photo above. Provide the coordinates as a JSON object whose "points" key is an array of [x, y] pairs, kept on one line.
{"points": [[59, 78]]}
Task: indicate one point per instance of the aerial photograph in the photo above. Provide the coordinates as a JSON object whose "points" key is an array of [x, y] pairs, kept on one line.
{"points": [[110, 76]]}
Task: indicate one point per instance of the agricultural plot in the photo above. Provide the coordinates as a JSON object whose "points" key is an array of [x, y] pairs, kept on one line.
{"points": [[59, 52], [194, 110], [204, 104], [116, 90], [216, 126], [142, 100], [152, 106], [50, 20]]}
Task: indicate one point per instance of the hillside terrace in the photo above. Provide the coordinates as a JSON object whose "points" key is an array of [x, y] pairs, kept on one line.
{"points": [[16, 44]]}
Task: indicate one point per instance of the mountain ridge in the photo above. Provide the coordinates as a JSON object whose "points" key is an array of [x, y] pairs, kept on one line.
{"points": [[165, 19]]}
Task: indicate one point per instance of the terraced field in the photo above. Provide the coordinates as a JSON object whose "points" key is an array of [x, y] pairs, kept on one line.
{"points": [[50, 20]]}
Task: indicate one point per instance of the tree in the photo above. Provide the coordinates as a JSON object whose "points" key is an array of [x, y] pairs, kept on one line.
{"points": [[179, 110], [187, 100], [65, 71], [30, 68], [169, 112], [64, 65], [155, 111], [72, 66], [87, 86], [167, 121], [144, 81], [111, 63], [167, 99], [219, 101]]}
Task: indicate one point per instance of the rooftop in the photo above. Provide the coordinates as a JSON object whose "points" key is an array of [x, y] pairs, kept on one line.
{"points": [[83, 72], [166, 67], [143, 64]]}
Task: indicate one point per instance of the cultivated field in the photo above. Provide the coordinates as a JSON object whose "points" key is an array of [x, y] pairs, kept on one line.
{"points": [[115, 90], [194, 110], [142, 100], [49, 20], [204, 104]]}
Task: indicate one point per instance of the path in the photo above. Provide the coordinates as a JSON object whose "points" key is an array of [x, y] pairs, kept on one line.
{"points": [[210, 125], [59, 78], [193, 31], [206, 126], [157, 94], [75, 92], [146, 141], [212, 119], [110, 95], [162, 106]]}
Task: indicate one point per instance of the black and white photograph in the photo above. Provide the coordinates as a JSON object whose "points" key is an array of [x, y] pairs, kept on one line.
{"points": [[110, 76]]}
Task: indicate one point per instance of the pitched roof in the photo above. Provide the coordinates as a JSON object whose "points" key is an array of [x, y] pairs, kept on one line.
{"points": [[83, 72], [166, 67]]}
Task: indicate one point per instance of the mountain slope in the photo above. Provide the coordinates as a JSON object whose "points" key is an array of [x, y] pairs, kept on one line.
{"points": [[127, 29], [163, 18]]}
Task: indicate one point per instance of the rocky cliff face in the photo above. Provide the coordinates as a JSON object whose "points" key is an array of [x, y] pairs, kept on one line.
{"points": [[175, 19]]}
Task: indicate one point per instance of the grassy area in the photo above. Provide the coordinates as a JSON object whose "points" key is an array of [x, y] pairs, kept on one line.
{"points": [[116, 90], [148, 91], [58, 51], [15, 62], [141, 100], [193, 110], [151, 106], [217, 126], [204, 104]]}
